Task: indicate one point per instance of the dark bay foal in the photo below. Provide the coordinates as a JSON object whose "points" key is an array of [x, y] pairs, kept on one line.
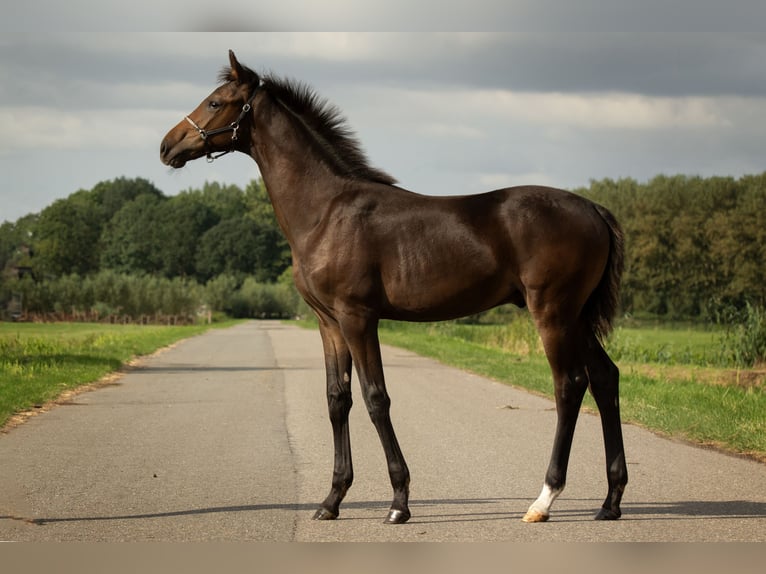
{"points": [[364, 250]]}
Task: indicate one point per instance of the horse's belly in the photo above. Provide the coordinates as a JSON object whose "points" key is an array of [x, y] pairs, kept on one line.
{"points": [[451, 291]]}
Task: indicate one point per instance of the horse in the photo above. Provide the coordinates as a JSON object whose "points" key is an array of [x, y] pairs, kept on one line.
{"points": [[365, 249]]}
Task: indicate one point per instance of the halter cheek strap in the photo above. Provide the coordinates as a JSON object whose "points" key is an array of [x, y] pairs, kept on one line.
{"points": [[232, 127]]}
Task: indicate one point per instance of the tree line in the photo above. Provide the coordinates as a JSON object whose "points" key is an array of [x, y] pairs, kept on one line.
{"points": [[126, 249], [695, 249], [130, 226]]}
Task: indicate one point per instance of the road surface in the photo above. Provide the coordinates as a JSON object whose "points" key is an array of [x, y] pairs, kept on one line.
{"points": [[226, 437]]}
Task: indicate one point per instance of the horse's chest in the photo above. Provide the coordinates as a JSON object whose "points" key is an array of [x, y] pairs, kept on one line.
{"points": [[328, 275]]}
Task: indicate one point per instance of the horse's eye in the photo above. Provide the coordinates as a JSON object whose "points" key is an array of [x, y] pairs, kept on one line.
{"points": [[213, 105]]}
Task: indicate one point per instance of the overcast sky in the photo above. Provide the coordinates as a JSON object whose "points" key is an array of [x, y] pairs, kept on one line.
{"points": [[444, 113]]}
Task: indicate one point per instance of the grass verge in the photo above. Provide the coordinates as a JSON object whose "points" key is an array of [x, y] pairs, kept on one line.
{"points": [[38, 362]]}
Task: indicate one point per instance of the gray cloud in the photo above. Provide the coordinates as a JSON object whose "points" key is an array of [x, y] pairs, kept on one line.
{"points": [[552, 16], [61, 68], [443, 112]]}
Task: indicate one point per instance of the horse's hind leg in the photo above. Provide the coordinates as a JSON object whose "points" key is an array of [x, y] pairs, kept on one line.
{"points": [[338, 367], [577, 361], [604, 380], [562, 347]]}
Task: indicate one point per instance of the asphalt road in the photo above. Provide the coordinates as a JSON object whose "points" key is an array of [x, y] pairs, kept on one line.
{"points": [[226, 437]]}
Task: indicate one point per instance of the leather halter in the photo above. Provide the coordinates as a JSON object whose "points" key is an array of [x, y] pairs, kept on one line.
{"points": [[232, 127]]}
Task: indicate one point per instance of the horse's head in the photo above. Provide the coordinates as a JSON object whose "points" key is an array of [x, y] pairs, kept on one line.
{"points": [[214, 126]]}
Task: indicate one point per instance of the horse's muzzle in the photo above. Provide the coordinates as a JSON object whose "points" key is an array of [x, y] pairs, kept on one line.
{"points": [[170, 156]]}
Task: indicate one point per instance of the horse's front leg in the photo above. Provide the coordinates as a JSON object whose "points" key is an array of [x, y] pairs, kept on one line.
{"points": [[338, 368], [361, 334]]}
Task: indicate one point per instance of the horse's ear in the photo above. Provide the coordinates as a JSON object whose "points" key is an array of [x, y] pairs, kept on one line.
{"points": [[236, 68]]}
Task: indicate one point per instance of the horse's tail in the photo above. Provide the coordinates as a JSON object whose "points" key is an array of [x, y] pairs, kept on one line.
{"points": [[601, 306]]}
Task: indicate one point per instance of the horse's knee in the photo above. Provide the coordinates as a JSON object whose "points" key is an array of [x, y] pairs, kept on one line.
{"points": [[339, 404], [377, 401]]}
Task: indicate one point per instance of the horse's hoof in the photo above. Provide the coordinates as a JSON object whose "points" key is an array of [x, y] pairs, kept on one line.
{"points": [[608, 514], [535, 516], [324, 514], [397, 516]]}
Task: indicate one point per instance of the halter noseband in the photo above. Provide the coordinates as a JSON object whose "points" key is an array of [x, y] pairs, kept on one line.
{"points": [[232, 127]]}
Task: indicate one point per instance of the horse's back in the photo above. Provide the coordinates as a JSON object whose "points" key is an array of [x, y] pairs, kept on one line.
{"points": [[536, 221]]}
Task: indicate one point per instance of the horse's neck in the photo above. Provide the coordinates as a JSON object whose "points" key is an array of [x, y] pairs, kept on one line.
{"points": [[299, 184]]}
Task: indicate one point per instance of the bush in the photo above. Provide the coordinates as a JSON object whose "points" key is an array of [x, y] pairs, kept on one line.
{"points": [[220, 292], [744, 340], [108, 295], [264, 300]]}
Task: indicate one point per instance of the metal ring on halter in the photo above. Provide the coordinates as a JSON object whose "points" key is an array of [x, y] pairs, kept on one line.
{"points": [[202, 133]]}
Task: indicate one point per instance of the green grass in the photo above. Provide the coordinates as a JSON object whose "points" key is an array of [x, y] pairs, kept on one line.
{"points": [[663, 345], [725, 416], [666, 383], [40, 361]]}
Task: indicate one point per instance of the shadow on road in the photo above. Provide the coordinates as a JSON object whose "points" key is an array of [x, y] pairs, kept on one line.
{"points": [[698, 510], [180, 368]]}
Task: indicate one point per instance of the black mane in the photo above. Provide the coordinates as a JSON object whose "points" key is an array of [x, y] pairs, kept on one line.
{"points": [[324, 121], [329, 128]]}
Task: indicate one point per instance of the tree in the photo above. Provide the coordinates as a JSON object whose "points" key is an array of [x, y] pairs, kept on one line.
{"points": [[182, 220], [131, 242], [66, 238], [226, 201], [692, 245], [16, 241], [276, 256], [240, 247], [113, 195], [740, 245], [232, 247]]}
